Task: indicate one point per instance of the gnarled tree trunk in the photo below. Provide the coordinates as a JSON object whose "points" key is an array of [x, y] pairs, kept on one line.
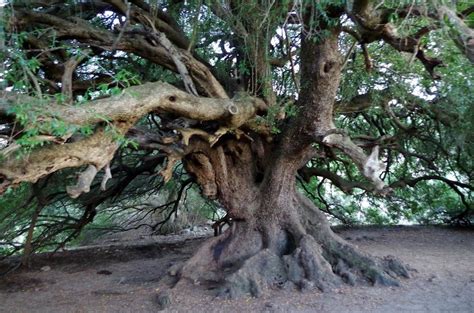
{"points": [[278, 237]]}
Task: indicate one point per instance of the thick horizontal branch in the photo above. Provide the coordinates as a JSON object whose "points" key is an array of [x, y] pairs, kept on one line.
{"points": [[454, 185], [136, 101], [347, 186], [121, 111], [96, 150]]}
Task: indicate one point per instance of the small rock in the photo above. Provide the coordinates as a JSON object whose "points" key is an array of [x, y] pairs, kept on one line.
{"points": [[174, 269], [163, 300], [432, 278], [306, 285], [268, 305], [46, 268], [104, 272]]}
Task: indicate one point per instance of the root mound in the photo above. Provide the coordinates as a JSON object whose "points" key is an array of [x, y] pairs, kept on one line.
{"points": [[239, 263]]}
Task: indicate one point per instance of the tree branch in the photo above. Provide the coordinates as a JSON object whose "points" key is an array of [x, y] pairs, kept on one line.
{"points": [[370, 166], [66, 80], [134, 41], [373, 25], [122, 112], [464, 36], [346, 186]]}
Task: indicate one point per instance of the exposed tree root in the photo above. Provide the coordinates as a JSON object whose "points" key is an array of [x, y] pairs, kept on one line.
{"points": [[238, 263]]}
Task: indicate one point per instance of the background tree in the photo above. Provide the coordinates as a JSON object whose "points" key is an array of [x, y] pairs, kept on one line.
{"points": [[264, 102]]}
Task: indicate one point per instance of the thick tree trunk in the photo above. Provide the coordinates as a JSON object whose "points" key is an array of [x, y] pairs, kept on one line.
{"points": [[278, 239]]}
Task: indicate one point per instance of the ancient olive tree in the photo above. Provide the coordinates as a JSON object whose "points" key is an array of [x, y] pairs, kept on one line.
{"points": [[253, 98]]}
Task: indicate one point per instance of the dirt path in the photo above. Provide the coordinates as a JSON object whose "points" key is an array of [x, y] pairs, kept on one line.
{"points": [[126, 279]]}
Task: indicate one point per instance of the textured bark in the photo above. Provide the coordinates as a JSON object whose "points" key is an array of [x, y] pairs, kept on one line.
{"points": [[278, 239], [137, 42], [122, 112], [28, 248], [373, 24]]}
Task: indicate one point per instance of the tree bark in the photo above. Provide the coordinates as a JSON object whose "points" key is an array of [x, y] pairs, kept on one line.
{"points": [[28, 248], [278, 239]]}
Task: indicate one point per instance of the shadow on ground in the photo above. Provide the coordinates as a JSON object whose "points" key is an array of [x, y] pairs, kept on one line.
{"points": [[125, 277]]}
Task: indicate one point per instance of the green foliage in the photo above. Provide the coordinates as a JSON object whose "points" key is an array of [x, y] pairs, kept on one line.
{"points": [[274, 116], [37, 119], [438, 116], [438, 141], [374, 216], [433, 202], [15, 214]]}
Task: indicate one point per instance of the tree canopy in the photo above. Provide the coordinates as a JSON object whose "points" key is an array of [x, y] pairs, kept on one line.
{"points": [[363, 107]]}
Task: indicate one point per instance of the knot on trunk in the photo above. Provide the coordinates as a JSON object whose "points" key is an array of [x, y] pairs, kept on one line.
{"points": [[200, 165]]}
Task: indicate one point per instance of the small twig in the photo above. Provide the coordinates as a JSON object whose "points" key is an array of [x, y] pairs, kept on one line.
{"points": [[34, 80], [290, 57], [346, 59], [367, 59], [107, 176], [66, 80], [122, 30], [175, 55], [195, 27]]}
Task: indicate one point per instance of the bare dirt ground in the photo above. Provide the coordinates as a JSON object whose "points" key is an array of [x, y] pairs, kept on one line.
{"points": [[126, 278]]}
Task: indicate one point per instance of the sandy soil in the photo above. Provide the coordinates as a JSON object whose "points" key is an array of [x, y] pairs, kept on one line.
{"points": [[125, 278]]}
